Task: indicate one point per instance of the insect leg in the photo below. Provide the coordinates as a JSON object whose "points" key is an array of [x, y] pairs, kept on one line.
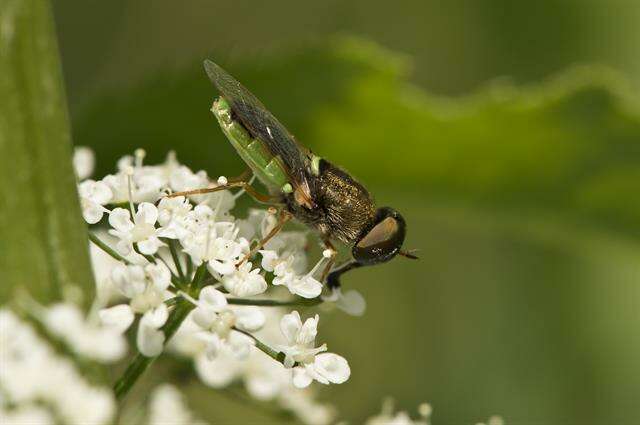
{"points": [[260, 197], [333, 280], [332, 259], [284, 217]]}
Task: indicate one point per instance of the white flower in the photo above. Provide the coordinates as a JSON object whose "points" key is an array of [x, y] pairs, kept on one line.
{"points": [[351, 302], [309, 362], [306, 408], [33, 373], [118, 317], [284, 270], [101, 343], [210, 303], [388, 417], [216, 323], [146, 286], [172, 216], [217, 243], [150, 339], [167, 407], [83, 162], [245, 282], [219, 371], [140, 231], [300, 339], [135, 182], [93, 195], [249, 318]]}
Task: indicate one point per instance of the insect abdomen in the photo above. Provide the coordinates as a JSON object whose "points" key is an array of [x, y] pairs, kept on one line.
{"points": [[267, 168]]}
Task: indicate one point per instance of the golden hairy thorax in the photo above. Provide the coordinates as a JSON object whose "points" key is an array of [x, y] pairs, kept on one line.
{"points": [[348, 206]]}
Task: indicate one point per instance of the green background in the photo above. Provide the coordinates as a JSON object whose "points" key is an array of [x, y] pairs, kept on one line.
{"points": [[515, 167]]}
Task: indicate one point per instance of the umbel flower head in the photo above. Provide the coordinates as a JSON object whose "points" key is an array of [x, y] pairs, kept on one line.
{"points": [[191, 254]]}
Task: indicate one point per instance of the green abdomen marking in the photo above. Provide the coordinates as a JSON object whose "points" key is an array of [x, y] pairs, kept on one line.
{"points": [[267, 168]]}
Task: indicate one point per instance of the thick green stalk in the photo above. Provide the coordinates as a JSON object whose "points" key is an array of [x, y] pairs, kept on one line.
{"points": [[140, 363], [43, 239]]}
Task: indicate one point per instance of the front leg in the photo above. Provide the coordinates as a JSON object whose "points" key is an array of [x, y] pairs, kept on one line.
{"points": [[333, 280], [260, 197], [282, 220]]}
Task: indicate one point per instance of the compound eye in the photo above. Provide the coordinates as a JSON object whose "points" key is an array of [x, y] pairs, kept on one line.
{"points": [[381, 244]]}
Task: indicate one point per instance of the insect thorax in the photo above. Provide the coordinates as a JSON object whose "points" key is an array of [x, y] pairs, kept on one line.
{"points": [[345, 209]]}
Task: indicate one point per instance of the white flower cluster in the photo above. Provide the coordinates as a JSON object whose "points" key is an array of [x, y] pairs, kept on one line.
{"points": [[32, 376], [192, 250], [167, 407]]}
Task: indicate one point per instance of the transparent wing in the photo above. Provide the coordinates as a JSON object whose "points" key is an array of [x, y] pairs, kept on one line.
{"points": [[262, 125]]}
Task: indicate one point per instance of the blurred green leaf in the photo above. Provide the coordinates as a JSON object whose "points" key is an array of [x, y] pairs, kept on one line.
{"points": [[43, 243]]}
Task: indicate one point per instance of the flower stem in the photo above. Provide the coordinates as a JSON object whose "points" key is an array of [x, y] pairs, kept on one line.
{"points": [[106, 248], [275, 355], [176, 259], [275, 303], [141, 363]]}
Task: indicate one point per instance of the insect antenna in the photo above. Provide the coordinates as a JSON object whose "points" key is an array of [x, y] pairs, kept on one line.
{"points": [[410, 254]]}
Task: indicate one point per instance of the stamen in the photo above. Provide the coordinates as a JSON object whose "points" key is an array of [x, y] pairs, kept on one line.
{"points": [[129, 172], [316, 267], [218, 205], [139, 154]]}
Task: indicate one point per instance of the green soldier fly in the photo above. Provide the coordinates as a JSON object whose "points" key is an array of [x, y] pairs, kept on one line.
{"points": [[302, 185]]}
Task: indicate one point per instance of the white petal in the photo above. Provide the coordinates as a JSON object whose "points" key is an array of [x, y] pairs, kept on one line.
{"points": [[91, 212], [352, 303], [102, 193], [149, 246], [149, 340], [263, 388], [119, 317], [147, 213], [332, 367], [120, 220], [212, 298], [204, 317], [269, 259], [217, 373], [290, 325], [306, 287], [222, 268], [240, 345], [301, 379], [124, 247], [83, 162], [308, 331], [157, 317], [160, 275], [249, 319]]}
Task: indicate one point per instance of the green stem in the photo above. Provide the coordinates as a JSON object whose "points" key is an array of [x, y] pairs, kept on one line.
{"points": [[199, 277], [275, 303], [176, 259], [106, 248], [140, 362], [275, 355]]}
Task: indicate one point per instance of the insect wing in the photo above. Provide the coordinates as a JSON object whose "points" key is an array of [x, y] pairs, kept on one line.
{"points": [[262, 125]]}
